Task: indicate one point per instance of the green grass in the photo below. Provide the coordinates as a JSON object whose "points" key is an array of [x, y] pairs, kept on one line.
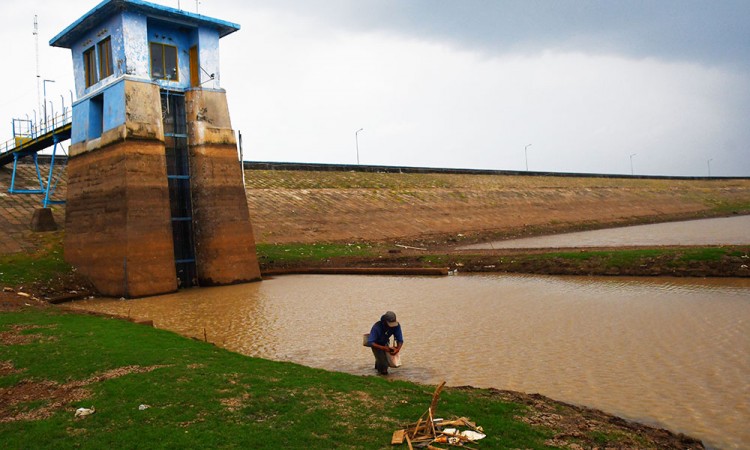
{"points": [[706, 254], [43, 265], [612, 258], [201, 396], [311, 252], [630, 257], [723, 206]]}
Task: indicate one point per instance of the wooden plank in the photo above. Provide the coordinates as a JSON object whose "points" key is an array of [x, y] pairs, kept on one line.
{"points": [[408, 442], [398, 437]]}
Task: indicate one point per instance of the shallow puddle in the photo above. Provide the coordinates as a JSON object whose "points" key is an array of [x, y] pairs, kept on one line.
{"points": [[669, 352]]}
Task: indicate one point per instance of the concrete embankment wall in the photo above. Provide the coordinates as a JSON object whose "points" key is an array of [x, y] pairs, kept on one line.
{"points": [[346, 205]]}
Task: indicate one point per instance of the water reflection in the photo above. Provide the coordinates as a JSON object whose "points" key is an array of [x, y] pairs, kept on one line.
{"points": [[719, 231], [671, 352]]}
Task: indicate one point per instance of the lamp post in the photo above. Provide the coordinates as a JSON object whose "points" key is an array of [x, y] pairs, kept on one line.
{"points": [[44, 84], [632, 172], [526, 155], [356, 141], [709, 167]]}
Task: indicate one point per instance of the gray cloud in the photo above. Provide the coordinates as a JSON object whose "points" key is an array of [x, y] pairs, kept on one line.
{"points": [[711, 32]]}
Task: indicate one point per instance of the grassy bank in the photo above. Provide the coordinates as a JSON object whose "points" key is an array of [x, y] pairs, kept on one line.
{"points": [[682, 261], [200, 396], [44, 264], [46, 274]]}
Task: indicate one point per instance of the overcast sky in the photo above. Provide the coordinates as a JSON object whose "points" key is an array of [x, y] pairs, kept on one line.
{"points": [[449, 83]]}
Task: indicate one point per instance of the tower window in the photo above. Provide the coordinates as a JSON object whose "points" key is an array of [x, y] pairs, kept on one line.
{"points": [[89, 67], [164, 62], [104, 48]]}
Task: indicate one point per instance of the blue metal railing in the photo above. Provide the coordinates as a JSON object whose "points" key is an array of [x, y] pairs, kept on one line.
{"points": [[29, 138], [26, 131]]}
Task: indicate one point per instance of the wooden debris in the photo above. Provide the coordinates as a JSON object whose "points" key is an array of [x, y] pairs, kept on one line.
{"points": [[410, 247], [408, 442], [428, 430], [436, 396]]}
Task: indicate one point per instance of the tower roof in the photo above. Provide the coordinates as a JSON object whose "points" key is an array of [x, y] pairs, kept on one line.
{"points": [[107, 8]]}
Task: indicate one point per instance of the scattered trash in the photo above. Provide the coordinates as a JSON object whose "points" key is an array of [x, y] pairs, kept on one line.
{"points": [[410, 247], [23, 294], [83, 412], [143, 407], [428, 430], [470, 434]]}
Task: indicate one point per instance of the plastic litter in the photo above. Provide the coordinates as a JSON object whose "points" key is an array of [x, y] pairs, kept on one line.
{"points": [[143, 407], [469, 434], [83, 412]]}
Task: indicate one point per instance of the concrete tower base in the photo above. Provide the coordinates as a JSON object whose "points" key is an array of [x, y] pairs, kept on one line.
{"points": [[118, 222], [117, 226], [224, 240]]}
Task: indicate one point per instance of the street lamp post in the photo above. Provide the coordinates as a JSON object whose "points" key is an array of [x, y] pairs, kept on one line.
{"points": [[526, 155], [709, 167], [356, 141], [632, 172]]}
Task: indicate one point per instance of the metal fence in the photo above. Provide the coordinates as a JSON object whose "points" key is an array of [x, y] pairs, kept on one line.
{"points": [[26, 131]]}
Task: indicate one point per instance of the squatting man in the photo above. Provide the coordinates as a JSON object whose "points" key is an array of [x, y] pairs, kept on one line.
{"points": [[379, 338]]}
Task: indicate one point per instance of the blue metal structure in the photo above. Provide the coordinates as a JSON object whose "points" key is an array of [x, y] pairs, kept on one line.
{"points": [[29, 139]]}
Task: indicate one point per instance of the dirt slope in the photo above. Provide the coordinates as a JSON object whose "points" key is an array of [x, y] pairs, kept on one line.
{"points": [[288, 206], [297, 206]]}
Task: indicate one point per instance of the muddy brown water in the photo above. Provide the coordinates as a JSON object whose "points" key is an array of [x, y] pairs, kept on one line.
{"points": [[669, 352], [717, 231]]}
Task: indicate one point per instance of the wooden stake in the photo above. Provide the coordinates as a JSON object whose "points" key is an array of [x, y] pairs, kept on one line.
{"points": [[436, 396], [416, 428]]}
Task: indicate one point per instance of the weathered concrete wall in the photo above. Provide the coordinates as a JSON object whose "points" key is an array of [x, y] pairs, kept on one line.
{"points": [[208, 46], [118, 230], [131, 108], [224, 240], [112, 28]]}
